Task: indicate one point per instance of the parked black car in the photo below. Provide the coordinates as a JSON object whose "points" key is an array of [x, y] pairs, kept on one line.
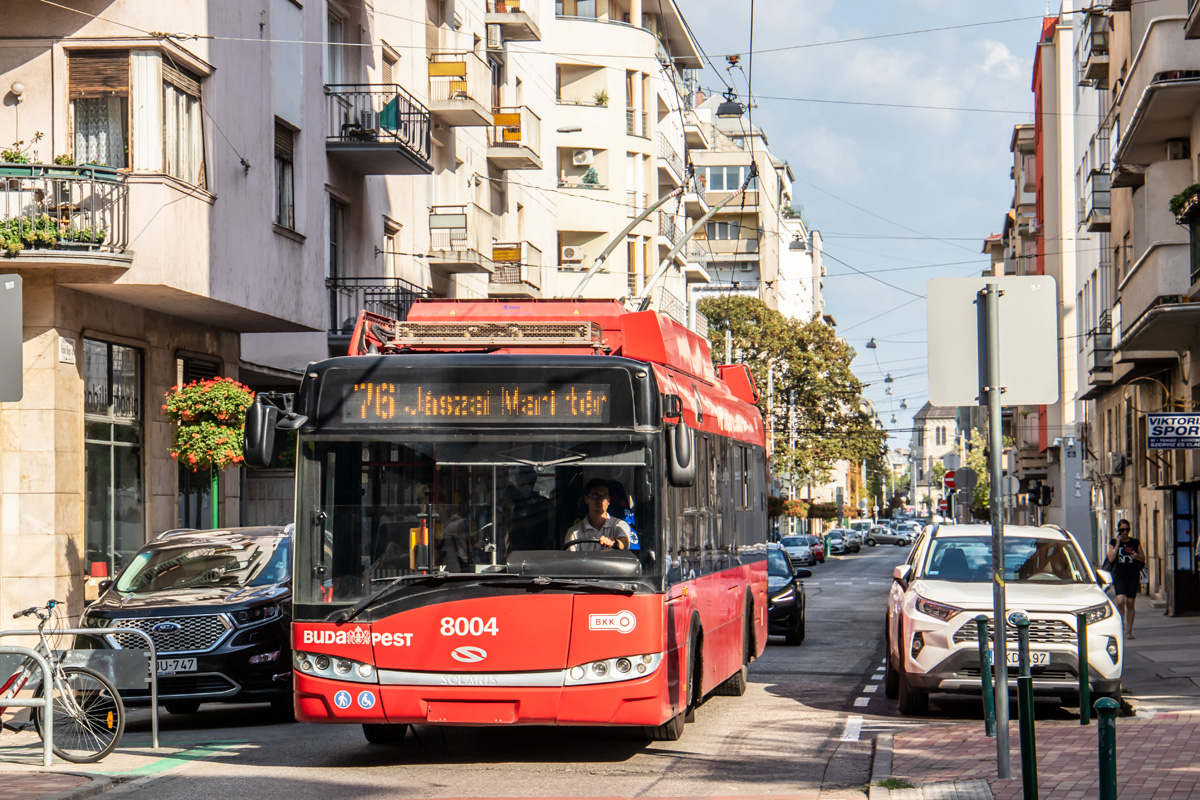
{"points": [[217, 604], [785, 595]]}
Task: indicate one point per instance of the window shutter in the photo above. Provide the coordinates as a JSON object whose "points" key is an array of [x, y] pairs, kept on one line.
{"points": [[284, 142], [181, 79], [98, 73], [389, 65]]}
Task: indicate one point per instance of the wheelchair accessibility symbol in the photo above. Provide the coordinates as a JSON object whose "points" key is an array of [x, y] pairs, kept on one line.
{"points": [[366, 699], [342, 699]]}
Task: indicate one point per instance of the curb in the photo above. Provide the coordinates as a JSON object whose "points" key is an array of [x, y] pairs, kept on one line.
{"points": [[881, 767], [95, 785]]}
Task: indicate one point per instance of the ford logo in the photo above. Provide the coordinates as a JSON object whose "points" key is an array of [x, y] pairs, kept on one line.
{"points": [[166, 627], [468, 655]]}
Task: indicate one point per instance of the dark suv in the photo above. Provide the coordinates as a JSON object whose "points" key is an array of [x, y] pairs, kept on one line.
{"points": [[217, 604]]}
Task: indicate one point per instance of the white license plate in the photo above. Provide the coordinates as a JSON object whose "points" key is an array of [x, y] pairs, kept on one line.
{"points": [[1036, 658], [169, 666]]}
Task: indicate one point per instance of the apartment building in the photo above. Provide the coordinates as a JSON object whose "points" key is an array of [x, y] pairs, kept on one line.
{"points": [[935, 437], [626, 131]]}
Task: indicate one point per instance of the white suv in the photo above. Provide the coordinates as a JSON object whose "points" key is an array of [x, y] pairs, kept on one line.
{"points": [[932, 638]]}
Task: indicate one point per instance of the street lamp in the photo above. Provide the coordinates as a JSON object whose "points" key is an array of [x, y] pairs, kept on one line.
{"points": [[731, 108], [871, 343]]}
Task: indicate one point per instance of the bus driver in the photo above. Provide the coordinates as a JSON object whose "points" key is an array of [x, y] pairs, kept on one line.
{"points": [[598, 529]]}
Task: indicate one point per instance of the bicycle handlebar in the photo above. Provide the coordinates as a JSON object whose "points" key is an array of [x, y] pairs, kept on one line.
{"points": [[50, 604]]}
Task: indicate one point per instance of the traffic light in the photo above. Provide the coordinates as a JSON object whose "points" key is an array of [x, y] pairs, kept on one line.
{"points": [[1045, 495], [1034, 493]]}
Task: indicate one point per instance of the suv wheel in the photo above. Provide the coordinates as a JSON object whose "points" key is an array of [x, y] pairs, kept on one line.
{"points": [[913, 701], [870, 542]]}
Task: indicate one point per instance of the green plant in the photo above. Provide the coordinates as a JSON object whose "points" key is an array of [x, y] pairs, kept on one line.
{"points": [[20, 152], [1180, 201], [591, 177], [30, 231], [601, 97], [211, 415], [894, 783], [64, 160]]}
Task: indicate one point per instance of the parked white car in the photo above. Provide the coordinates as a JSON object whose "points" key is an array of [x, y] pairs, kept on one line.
{"points": [[798, 550], [932, 638]]}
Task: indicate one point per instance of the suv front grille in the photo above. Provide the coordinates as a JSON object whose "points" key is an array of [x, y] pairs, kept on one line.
{"points": [[1042, 631], [195, 634]]}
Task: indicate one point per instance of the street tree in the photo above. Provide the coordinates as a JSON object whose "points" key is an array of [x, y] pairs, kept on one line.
{"points": [[819, 414]]}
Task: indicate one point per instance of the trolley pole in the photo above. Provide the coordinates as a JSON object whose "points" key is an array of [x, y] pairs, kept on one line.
{"points": [[990, 296]]}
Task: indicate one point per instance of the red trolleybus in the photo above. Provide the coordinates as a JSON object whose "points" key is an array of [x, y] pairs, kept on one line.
{"points": [[440, 467]]}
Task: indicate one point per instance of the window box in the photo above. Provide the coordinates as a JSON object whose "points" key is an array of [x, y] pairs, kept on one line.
{"points": [[1186, 205]]}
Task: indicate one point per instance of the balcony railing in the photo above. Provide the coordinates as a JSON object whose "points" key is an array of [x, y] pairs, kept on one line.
{"points": [[702, 324], [667, 228], [667, 153], [636, 122], [369, 115], [1094, 47], [672, 306], [517, 20], [458, 84], [1099, 209], [45, 206], [637, 202], [458, 228], [390, 297], [516, 263], [696, 254], [514, 140], [1098, 348]]}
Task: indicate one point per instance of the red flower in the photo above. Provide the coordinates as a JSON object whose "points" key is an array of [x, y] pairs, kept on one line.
{"points": [[192, 460]]}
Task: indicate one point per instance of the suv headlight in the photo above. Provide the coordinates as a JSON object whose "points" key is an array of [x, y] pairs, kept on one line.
{"points": [[88, 621], [1097, 613], [248, 616], [936, 610]]}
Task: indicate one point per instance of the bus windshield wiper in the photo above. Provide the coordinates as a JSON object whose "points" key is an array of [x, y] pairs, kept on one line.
{"points": [[542, 582], [433, 577]]}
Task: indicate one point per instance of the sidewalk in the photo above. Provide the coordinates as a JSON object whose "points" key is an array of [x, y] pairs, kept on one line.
{"points": [[1158, 749]]}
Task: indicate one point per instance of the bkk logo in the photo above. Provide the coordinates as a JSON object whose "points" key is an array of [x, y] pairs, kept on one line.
{"points": [[622, 622], [468, 655], [356, 635]]}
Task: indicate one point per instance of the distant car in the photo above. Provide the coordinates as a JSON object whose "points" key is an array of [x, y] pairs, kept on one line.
{"points": [[818, 548], [932, 636], [837, 545], [912, 528], [850, 538], [785, 596], [884, 535], [217, 605], [861, 526], [798, 550]]}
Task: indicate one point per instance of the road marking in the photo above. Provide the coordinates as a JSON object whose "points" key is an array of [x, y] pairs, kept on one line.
{"points": [[877, 583], [853, 729], [870, 689], [877, 677], [843, 583], [860, 702]]}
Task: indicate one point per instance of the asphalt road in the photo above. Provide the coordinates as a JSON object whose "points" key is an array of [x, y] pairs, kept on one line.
{"points": [[806, 723]]}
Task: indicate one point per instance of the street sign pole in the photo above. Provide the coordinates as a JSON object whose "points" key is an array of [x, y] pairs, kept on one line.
{"points": [[990, 294]]}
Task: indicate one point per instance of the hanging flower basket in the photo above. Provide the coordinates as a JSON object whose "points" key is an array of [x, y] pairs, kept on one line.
{"points": [[211, 415], [1186, 204]]}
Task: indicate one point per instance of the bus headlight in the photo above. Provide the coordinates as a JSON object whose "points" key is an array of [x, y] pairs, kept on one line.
{"points": [[612, 670], [338, 669]]}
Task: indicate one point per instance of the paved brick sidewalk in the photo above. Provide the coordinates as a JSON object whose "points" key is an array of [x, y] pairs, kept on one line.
{"points": [[51, 786], [1156, 758]]}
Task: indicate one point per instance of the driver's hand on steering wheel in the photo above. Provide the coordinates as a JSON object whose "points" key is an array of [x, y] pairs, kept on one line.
{"points": [[609, 541]]}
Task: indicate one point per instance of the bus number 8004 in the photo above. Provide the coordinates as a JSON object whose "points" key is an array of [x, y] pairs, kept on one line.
{"points": [[474, 626]]}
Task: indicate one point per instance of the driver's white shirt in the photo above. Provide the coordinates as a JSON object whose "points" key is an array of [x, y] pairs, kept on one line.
{"points": [[613, 528]]}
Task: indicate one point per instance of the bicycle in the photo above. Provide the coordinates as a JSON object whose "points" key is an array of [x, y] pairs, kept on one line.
{"points": [[89, 715]]}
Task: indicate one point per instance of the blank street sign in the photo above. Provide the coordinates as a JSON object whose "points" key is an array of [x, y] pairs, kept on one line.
{"points": [[1028, 340], [11, 371]]}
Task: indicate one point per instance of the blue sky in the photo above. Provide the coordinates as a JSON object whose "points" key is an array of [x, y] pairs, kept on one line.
{"points": [[905, 193]]}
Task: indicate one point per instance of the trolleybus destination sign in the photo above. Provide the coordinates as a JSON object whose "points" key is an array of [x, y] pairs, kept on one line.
{"points": [[1172, 431], [424, 402]]}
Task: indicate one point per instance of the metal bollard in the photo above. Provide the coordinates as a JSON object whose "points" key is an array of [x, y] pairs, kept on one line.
{"points": [[989, 701], [1085, 691], [1106, 710], [1029, 779]]}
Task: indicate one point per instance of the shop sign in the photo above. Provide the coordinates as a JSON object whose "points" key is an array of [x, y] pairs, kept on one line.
{"points": [[1172, 431]]}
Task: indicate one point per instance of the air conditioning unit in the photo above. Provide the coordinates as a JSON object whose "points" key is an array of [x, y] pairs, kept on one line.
{"points": [[1177, 150], [581, 158], [1116, 464], [367, 119], [572, 254], [494, 42]]}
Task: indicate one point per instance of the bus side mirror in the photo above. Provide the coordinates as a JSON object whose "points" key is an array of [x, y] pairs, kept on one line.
{"points": [[258, 438], [681, 455]]}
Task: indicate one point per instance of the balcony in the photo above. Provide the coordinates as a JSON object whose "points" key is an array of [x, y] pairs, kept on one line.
{"points": [[518, 271], [1153, 314], [1099, 203], [514, 140], [671, 306], [377, 129], [1191, 29], [515, 20], [390, 297], [695, 204], [458, 85], [460, 239], [668, 229], [747, 199], [694, 134], [1160, 96], [1094, 48], [1099, 353], [72, 221], [669, 161], [695, 267], [636, 203], [637, 123]]}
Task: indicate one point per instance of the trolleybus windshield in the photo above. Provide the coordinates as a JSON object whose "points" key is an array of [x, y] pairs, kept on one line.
{"points": [[491, 505]]}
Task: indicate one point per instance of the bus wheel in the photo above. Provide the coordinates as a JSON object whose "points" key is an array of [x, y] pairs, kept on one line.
{"points": [[385, 734], [735, 684], [669, 731]]}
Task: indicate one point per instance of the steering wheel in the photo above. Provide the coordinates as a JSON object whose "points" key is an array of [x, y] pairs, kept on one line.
{"points": [[574, 542]]}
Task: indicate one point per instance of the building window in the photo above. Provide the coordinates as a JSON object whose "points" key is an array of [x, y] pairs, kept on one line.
{"points": [[183, 139], [335, 225], [1194, 238], [98, 88], [114, 506], [285, 176], [728, 179], [335, 48], [724, 230], [388, 71], [194, 507]]}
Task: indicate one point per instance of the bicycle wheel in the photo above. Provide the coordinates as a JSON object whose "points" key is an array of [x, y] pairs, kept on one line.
{"points": [[89, 717]]}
